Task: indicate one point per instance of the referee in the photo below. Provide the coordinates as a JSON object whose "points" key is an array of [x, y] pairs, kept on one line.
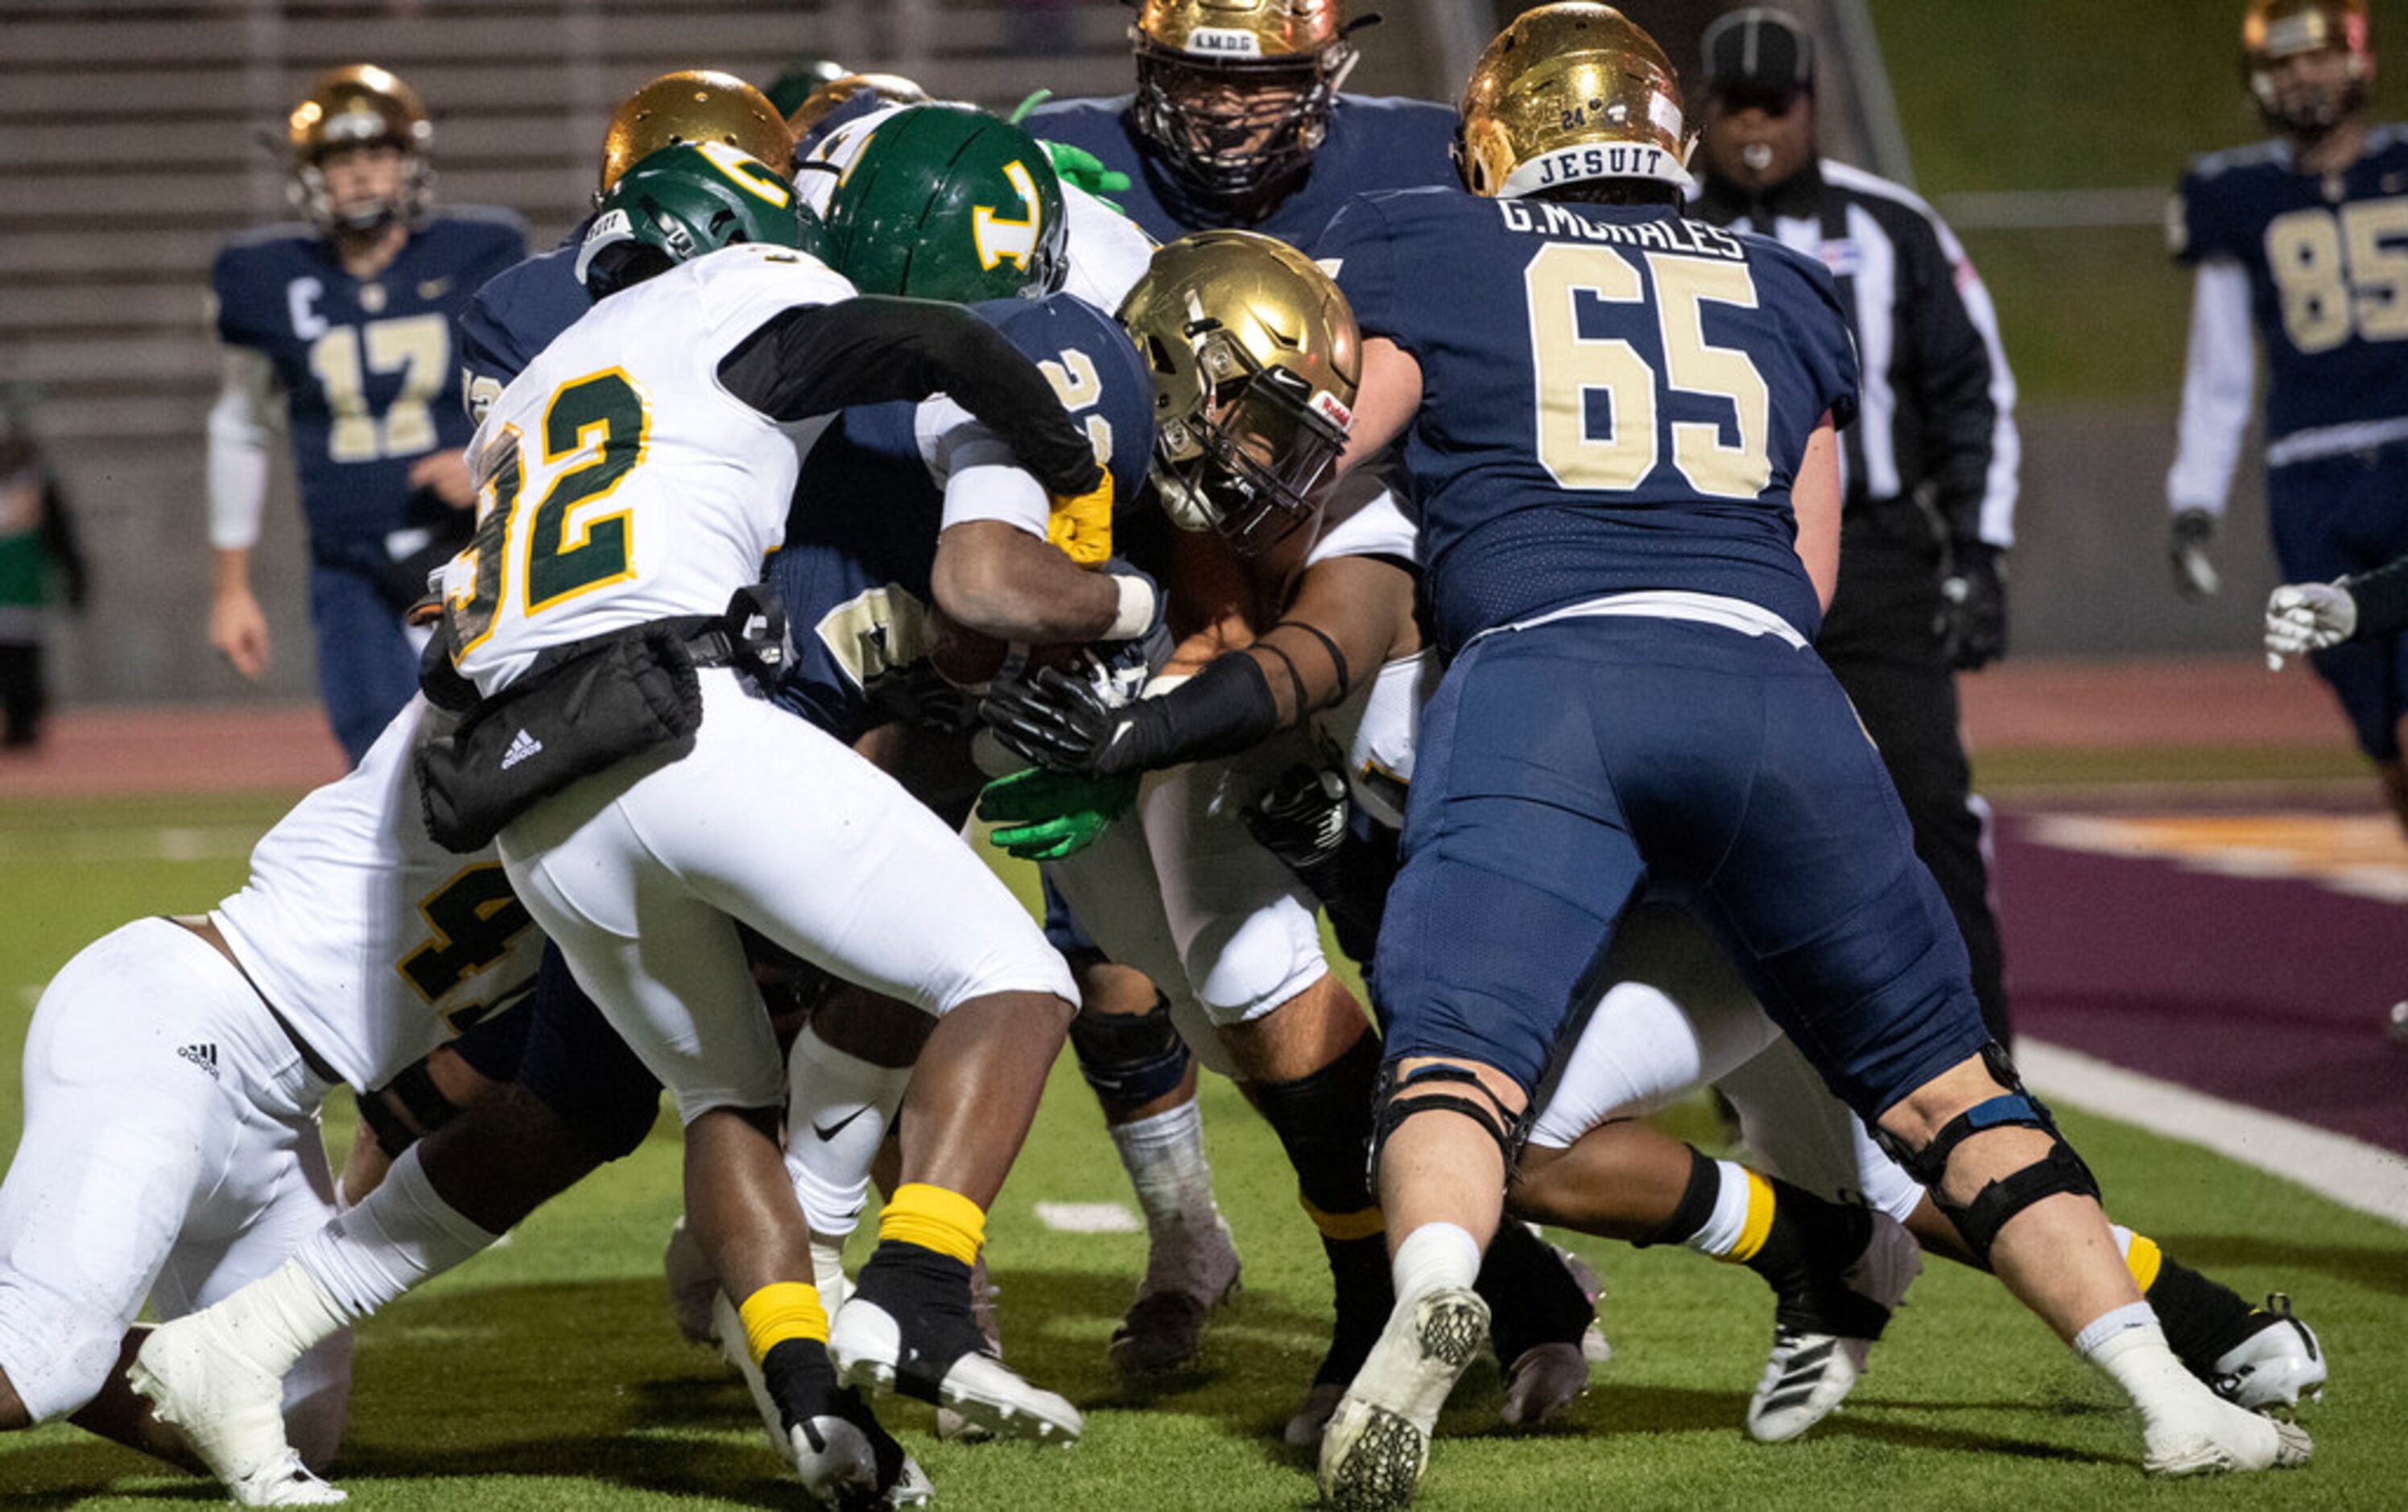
{"points": [[1929, 469]]}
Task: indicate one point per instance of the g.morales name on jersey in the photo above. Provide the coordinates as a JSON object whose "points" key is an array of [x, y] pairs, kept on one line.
{"points": [[1547, 219]]}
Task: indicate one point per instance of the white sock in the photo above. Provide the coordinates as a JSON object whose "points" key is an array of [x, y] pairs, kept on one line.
{"points": [[401, 1235], [281, 1317], [838, 1108], [2128, 1344], [1164, 1159], [1435, 1255], [2122, 1244], [1722, 1230]]}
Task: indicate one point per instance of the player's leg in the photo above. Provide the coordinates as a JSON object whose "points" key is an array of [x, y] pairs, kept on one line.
{"points": [[368, 666], [2332, 516], [1850, 946], [452, 1079]]}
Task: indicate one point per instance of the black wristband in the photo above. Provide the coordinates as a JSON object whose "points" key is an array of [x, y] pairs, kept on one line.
{"points": [[1223, 710]]}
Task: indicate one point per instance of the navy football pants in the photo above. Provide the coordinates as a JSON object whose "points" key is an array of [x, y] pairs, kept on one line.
{"points": [[366, 669], [1564, 768], [2349, 514]]}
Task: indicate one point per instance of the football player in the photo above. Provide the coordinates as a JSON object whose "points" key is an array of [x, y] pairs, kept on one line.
{"points": [[173, 1077], [341, 329], [1629, 602], [2294, 240]]}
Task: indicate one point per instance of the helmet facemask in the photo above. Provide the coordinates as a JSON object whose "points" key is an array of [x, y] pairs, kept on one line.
{"points": [[2308, 108], [1234, 128], [1246, 461], [359, 105]]}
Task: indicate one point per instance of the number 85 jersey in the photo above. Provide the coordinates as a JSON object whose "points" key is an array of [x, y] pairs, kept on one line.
{"points": [[1614, 399], [2326, 257]]}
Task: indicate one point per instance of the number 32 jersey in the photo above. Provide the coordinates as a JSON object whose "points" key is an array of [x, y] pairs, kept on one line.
{"points": [[1614, 399], [2326, 260], [619, 482]]}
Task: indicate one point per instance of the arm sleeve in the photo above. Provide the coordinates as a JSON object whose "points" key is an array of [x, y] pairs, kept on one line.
{"points": [[814, 359], [1968, 397], [242, 426], [2218, 383]]}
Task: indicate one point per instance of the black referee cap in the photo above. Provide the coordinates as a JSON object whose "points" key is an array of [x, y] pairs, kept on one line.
{"points": [[1759, 54]]}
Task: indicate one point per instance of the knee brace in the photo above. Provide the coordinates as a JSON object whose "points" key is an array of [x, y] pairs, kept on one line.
{"points": [[1402, 1096], [404, 1109], [2060, 1172], [1130, 1058]]}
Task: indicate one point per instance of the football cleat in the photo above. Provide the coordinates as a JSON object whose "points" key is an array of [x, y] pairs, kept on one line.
{"points": [[868, 1343], [1375, 1446], [1190, 1268], [693, 1284], [1812, 1371], [2215, 1437], [1541, 1382], [2280, 1362], [229, 1408]]}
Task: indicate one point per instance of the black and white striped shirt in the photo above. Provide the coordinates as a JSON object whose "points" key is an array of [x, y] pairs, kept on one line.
{"points": [[1938, 401]]}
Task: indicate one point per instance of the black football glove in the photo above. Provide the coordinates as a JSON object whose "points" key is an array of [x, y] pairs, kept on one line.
{"points": [[2187, 548], [1059, 721], [1973, 608], [1301, 819]]}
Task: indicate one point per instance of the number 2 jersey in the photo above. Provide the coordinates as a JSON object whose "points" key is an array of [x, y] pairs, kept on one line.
{"points": [[2326, 257], [619, 482], [366, 363], [372, 942], [1614, 399]]}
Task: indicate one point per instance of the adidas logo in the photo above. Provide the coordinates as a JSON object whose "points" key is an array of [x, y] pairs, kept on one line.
{"points": [[523, 745], [203, 1056]]}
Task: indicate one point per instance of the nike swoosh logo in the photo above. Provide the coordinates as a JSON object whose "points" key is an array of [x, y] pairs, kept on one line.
{"points": [[831, 1130]]}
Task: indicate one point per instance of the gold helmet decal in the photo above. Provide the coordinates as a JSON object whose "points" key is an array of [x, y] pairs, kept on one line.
{"points": [[697, 106], [1255, 357], [2275, 31], [1571, 91], [357, 105]]}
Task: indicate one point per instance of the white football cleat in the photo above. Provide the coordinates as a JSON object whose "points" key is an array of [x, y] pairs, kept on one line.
{"points": [[1810, 1374], [867, 1344], [836, 1463], [2215, 1437], [229, 1408], [2275, 1367], [1377, 1443]]}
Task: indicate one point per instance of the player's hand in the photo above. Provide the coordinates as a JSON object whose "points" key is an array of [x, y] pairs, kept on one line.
{"points": [[1058, 721], [1041, 815], [1083, 170], [1081, 524], [2301, 617], [1973, 608], [240, 630], [2194, 574], [1300, 818], [445, 471]]}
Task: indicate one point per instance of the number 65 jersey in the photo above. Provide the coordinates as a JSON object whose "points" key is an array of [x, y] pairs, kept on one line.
{"points": [[1614, 399]]}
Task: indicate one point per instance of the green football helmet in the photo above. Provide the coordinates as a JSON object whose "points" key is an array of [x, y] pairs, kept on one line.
{"points": [[676, 204], [946, 203]]}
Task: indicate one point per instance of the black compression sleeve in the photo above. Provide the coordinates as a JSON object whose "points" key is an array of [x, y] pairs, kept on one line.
{"points": [[814, 359], [2382, 598], [1223, 710]]}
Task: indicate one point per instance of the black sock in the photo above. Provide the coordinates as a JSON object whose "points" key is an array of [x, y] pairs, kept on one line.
{"points": [[801, 1379], [1531, 1295], [1366, 1294], [2203, 1319], [928, 1296], [1809, 1243]]}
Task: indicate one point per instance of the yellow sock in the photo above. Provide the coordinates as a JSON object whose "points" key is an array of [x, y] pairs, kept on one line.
{"points": [[1758, 1223], [780, 1311], [1342, 1226], [2144, 1258], [934, 1218]]}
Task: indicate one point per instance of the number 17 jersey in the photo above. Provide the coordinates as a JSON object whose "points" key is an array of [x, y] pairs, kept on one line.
{"points": [[1614, 399]]}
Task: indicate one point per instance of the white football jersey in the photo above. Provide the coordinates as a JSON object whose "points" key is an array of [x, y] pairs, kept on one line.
{"points": [[618, 481], [374, 943]]}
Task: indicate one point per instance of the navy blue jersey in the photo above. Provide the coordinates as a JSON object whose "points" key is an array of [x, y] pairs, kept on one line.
{"points": [[366, 362], [862, 536], [1373, 143], [515, 315], [1614, 398], [2327, 264]]}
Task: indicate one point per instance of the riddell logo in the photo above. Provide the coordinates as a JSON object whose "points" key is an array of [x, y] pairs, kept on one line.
{"points": [[203, 1056]]}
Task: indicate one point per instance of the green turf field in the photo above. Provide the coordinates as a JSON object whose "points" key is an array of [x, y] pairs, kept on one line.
{"points": [[547, 1374]]}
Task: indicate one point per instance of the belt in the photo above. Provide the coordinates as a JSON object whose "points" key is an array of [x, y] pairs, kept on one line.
{"points": [[206, 927]]}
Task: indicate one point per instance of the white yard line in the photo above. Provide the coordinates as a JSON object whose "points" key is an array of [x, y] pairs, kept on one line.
{"points": [[1088, 1217], [2363, 1177]]}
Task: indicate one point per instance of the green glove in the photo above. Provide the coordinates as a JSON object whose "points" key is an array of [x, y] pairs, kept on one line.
{"points": [[1083, 169], [1041, 815]]}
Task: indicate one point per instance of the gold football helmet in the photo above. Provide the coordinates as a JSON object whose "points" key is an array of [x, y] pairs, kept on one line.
{"points": [[351, 106], [2276, 30], [807, 121], [694, 105], [1256, 358], [1569, 93], [1236, 94]]}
